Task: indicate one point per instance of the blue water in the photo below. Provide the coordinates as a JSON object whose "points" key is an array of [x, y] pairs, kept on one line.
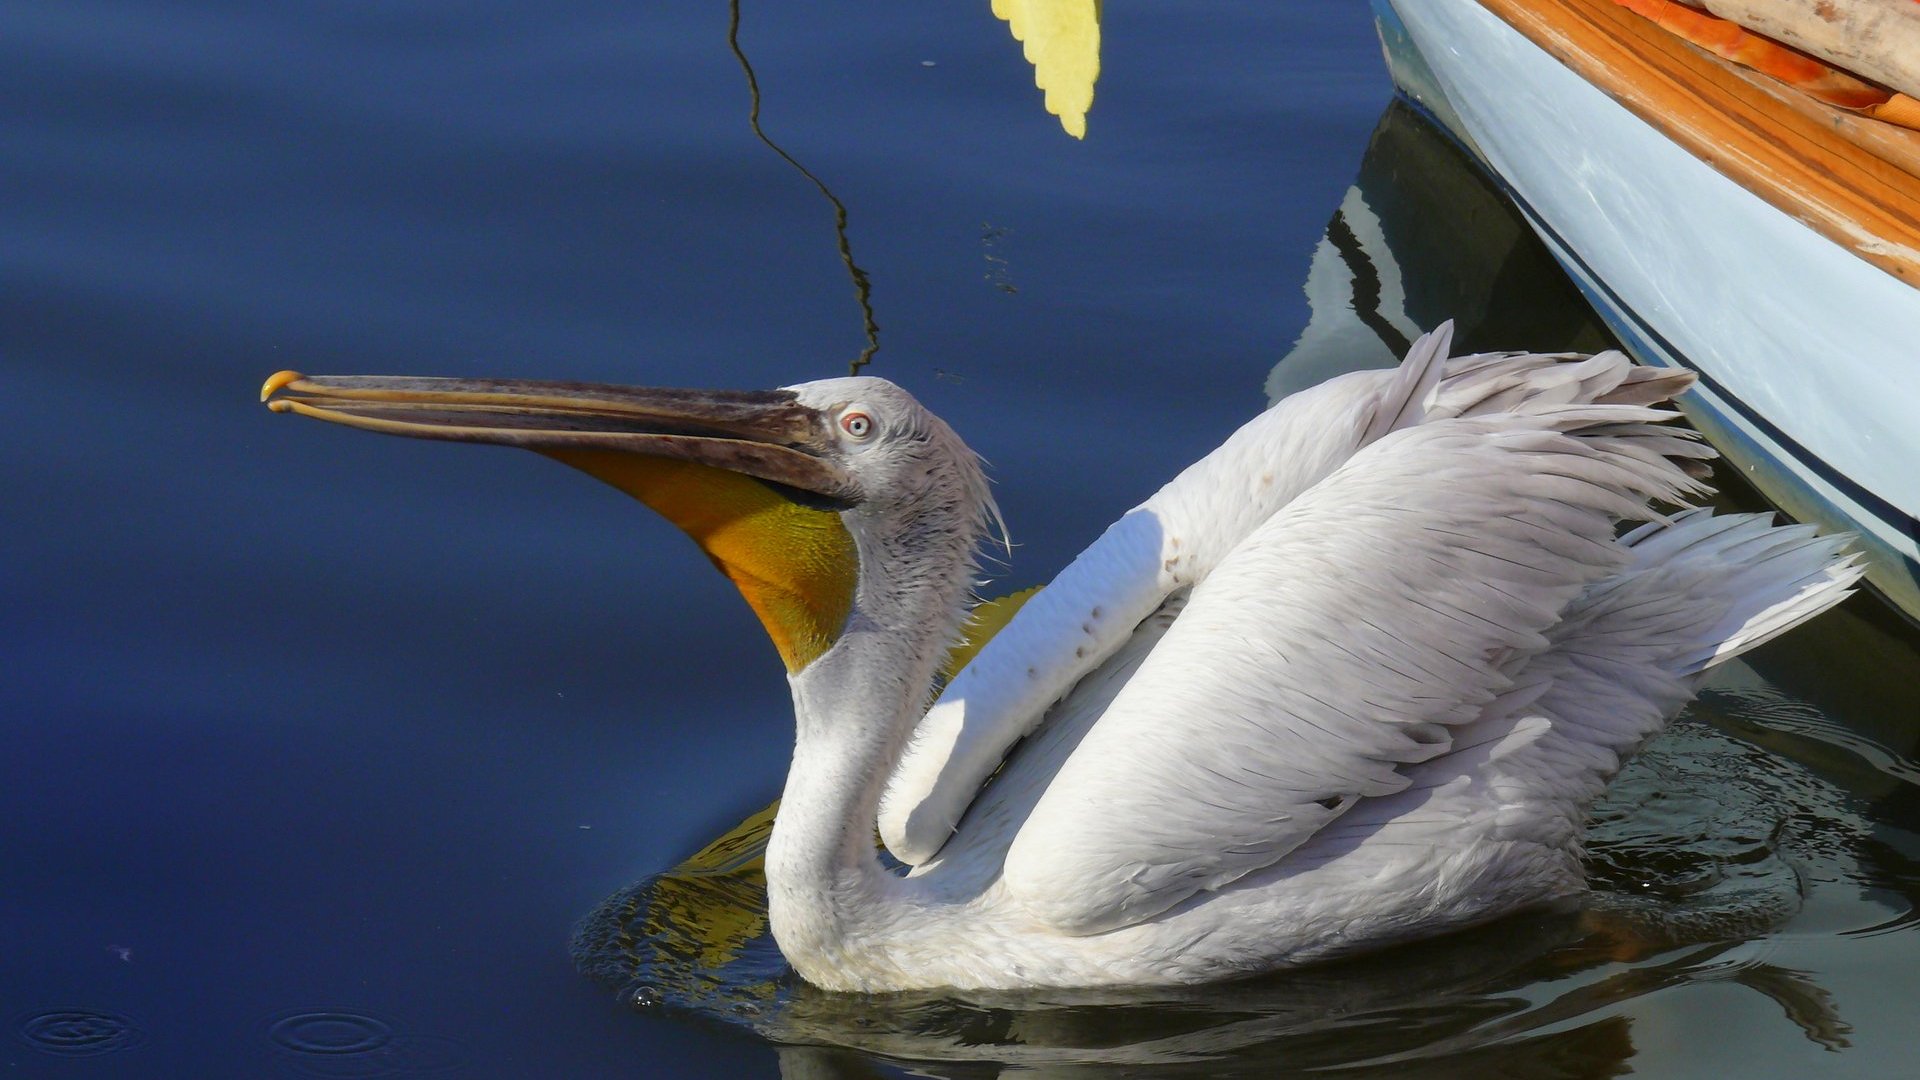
{"points": [[315, 746]]}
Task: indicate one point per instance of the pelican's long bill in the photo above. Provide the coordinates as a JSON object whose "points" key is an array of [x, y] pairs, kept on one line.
{"points": [[750, 475]]}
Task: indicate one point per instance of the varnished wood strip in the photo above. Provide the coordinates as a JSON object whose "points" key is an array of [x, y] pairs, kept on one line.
{"points": [[1897, 145], [1858, 199]]}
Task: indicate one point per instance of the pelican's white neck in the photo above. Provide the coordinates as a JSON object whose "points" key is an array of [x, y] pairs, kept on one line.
{"points": [[821, 857], [854, 709]]}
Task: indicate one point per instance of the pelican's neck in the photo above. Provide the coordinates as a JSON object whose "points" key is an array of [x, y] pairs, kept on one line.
{"points": [[854, 709], [851, 726]]}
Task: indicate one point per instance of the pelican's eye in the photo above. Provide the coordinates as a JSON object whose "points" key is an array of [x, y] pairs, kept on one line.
{"points": [[856, 424]]}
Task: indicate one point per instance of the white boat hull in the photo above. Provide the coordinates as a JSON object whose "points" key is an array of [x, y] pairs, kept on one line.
{"points": [[1809, 355]]}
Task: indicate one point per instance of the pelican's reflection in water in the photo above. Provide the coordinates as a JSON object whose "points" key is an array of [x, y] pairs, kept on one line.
{"points": [[1746, 811]]}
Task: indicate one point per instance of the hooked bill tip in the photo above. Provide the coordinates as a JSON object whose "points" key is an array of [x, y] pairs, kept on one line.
{"points": [[275, 383]]}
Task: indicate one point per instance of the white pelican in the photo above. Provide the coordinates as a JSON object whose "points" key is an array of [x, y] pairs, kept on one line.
{"points": [[1351, 679]]}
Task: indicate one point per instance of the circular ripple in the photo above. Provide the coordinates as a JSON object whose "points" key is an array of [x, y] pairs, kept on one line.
{"points": [[401, 1057], [330, 1032], [78, 1032]]}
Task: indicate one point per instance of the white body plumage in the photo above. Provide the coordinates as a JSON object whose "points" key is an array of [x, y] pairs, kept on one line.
{"points": [[1350, 680]]}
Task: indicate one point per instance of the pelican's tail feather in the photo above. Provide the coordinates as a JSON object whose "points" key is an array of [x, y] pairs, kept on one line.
{"points": [[1629, 653], [1765, 579], [1703, 588]]}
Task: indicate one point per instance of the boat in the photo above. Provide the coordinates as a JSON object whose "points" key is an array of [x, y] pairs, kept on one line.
{"points": [[1718, 220]]}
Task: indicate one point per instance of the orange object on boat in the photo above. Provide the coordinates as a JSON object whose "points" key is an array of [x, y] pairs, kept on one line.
{"points": [[1728, 39], [1899, 109]]}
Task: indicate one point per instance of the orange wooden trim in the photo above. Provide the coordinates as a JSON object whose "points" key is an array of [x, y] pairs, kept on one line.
{"points": [[1879, 136], [1802, 166]]}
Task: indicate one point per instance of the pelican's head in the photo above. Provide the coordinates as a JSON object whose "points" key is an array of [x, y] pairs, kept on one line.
{"points": [[795, 494]]}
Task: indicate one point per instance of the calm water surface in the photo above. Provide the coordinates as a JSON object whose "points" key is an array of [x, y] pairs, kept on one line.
{"points": [[316, 747]]}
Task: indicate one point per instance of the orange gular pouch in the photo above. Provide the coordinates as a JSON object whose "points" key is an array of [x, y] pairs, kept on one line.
{"points": [[796, 565]]}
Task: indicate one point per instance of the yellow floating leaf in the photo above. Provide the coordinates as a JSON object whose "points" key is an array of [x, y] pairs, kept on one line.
{"points": [[1062, 42]]}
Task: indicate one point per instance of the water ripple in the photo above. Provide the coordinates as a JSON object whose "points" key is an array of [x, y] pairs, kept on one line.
{"points": [[344, 1045], [77, 1032], [330, 1032]]}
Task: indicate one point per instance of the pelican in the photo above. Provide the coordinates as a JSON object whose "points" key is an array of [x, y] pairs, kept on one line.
{"points": [[1351, 679]]}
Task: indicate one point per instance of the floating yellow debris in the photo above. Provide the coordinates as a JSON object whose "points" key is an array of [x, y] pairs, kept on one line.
{"points": [[1062, 42]]}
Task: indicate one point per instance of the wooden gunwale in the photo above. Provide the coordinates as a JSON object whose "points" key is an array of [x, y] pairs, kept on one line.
{"points": [[1801, 163], [1898, 145]]}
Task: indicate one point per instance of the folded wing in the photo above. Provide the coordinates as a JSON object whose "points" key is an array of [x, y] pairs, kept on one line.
{"points": [[1177, 537], [1343, 639]]}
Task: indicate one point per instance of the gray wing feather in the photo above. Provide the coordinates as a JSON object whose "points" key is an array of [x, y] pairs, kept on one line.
{"points": [[1344, 639], [1177, 537]]}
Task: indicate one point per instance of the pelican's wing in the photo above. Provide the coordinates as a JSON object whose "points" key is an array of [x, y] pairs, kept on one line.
{"points": [[1343, 639], [1088, 612], [1176, 538]]}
